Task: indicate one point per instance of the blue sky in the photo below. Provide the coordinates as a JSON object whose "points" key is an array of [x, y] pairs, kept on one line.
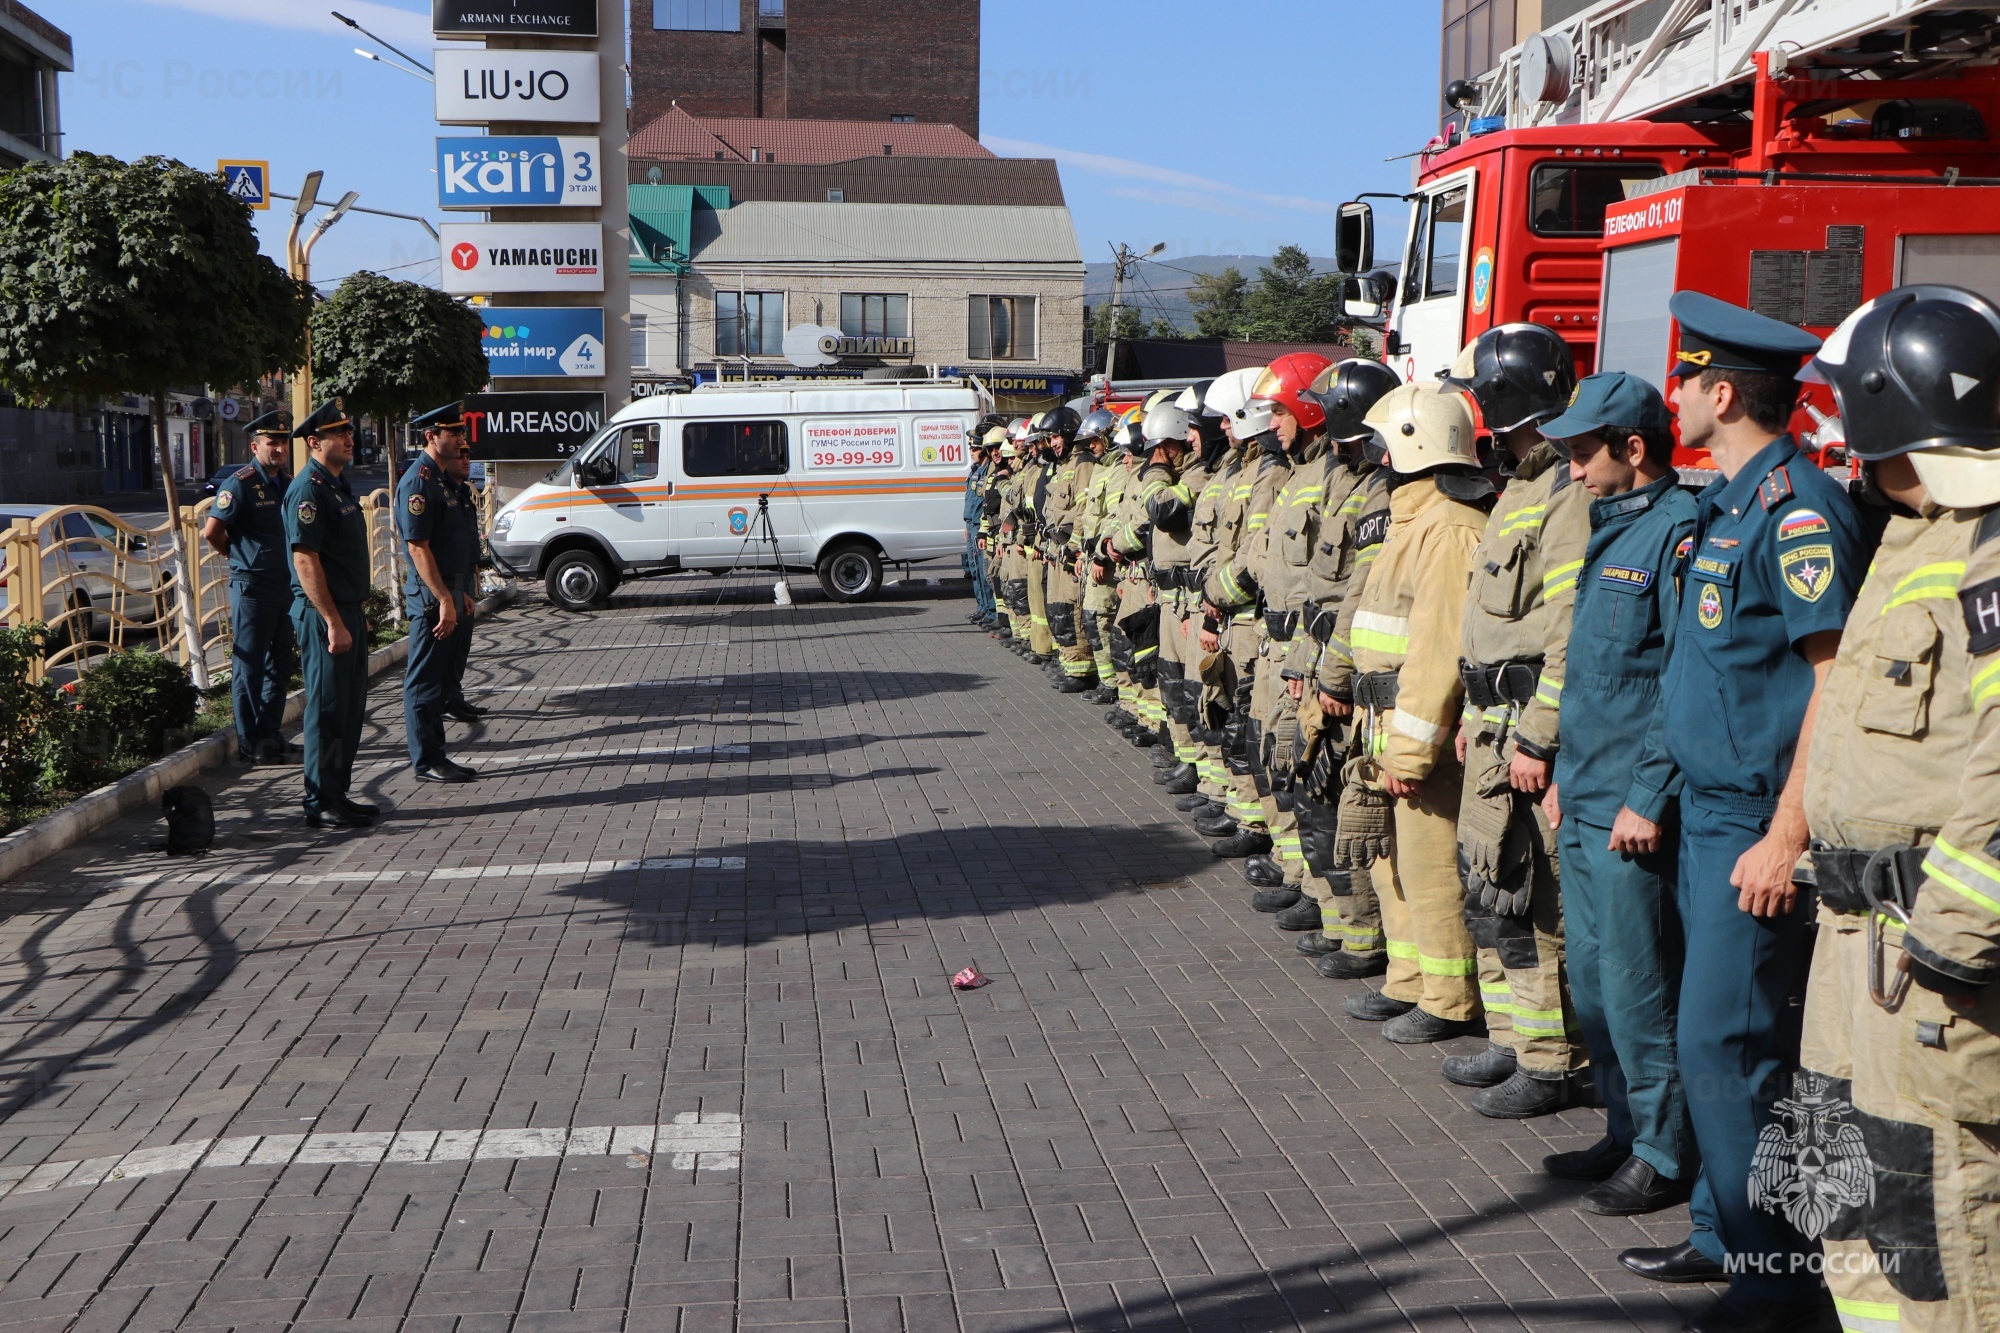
{"points": [[1214, 128]]}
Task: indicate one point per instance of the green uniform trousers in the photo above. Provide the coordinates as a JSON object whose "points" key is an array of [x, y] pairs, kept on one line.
{"points": [[336, 690]]}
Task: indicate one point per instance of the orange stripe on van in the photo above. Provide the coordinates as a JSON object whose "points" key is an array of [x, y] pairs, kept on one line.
{"points": [[612, 496]]}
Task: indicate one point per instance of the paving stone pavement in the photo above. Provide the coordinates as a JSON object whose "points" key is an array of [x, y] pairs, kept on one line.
{"points": [[481, 1067]]}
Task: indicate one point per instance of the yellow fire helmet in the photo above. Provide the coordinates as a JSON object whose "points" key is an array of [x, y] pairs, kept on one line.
{"points": [[1424, 427]]}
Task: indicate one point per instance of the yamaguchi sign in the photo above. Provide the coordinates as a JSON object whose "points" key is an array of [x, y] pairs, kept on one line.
{"points": [[476, 87], [555, 18], [531, 427], [522, 256], [518, 171], [543, 340]]}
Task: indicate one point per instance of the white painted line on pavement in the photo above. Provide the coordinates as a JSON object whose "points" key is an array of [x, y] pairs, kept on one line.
{"points": [[528, 869], [694, 1141], [736, 750]]}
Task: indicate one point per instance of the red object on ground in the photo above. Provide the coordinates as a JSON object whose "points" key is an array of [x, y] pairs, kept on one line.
{"points": [[969, 979]]}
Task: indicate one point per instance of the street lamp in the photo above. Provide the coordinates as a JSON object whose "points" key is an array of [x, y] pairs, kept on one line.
{"points": [[370, 55], [379, 42], [299, 257]]}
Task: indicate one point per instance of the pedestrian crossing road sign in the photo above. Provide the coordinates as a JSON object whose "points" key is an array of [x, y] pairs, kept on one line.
{"points": [[248, 182]]}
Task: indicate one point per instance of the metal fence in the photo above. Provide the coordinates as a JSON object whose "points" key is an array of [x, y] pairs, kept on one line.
{"points": [[102, 585]]}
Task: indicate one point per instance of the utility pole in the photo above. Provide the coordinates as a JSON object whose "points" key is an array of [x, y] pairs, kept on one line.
{"points": [[1124, 258]]}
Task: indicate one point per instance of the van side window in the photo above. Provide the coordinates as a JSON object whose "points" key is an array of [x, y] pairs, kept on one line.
{"points": [[734, 449], [641, 452]]}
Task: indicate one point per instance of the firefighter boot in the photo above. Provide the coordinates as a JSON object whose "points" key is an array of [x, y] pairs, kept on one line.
{"points": [[1488, 1069]]}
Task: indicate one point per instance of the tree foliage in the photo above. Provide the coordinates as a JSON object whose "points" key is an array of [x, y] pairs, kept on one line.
{"points": [[1291, 303], [120, 277], [1220, 302], [393, 348]]}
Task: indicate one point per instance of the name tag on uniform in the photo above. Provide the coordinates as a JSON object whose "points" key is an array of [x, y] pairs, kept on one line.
{"points": [[1372, 530], [1626, 577], [1714, 570]]}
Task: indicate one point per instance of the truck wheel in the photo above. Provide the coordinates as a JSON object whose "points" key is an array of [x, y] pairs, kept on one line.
{"points": [[578, 581], [851, 573]]}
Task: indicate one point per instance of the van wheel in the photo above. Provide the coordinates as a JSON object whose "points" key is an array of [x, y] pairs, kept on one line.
{"points": [[578, 581], [851, 573]]}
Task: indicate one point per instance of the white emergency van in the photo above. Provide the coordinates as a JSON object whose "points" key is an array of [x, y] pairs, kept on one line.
{"points": [[853, 474]]}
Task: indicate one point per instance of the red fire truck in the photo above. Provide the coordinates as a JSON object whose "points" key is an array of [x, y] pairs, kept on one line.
{"points": [[1793, 162]]}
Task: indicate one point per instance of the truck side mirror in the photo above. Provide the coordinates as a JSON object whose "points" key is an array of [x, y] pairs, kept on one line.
{"points": [[1367, 295], [1354, 238]]}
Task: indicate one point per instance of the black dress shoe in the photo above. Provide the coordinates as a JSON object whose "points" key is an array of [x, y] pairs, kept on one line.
{"points": [[1523, 1097], [1183, 785], [1264, 873], [1372, 1006], [1488, 1069], [1636, 1188], [1418, 1028], [335, 817], [1600, 1161], [465, 710], [1672, 1263], [1191, 801], [1275, 900], [1301, 915], [1221, 826], [1316, 944], [1346, 966], [1740, 1312], [1243, 842], [446, 771], [362, 808]]}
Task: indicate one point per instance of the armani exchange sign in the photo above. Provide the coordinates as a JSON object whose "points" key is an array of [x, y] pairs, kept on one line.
{"points": [[546, 18]]}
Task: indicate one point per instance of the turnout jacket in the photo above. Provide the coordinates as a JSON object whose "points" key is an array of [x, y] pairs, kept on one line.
{"points": [[1204, 533], [1370, 529], [1408, 618], [1325, 536], [1613, 744], [1231, 586], [1523, 586], [1906, 752], [1277, 553], [1066, 482]]}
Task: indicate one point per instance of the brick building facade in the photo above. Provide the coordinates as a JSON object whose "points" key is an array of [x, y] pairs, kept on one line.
{"points": [[808, 59]]}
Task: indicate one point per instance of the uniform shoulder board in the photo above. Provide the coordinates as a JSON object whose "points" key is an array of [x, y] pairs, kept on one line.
{"points": [[244, 473], [1989, 528], [1686, 548], [1775, 490]]}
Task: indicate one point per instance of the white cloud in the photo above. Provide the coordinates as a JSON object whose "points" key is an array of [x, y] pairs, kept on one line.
{"points": [[1120, 166], [406, 29]]}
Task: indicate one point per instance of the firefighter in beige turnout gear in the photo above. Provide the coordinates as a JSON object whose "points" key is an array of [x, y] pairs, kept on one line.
{"points": [[1399, 809], [1516, 630], [1903, 803], [1067, 478], [1099, 500]]}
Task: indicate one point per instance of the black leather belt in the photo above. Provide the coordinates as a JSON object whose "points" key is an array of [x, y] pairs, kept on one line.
{"points": [[1376, 689], [1281, 625], [1319, 621], [1842, 873], [1170, 578], [1490, 685]]}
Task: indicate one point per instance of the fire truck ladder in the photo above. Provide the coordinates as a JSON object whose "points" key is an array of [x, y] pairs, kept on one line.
{"points": [[1632, 59]]}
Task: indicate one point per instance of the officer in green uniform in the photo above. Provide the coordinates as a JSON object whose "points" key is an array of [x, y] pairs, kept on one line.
{"points": [[247, 524], [458, 466], [1614, 800], [328, 536], [436, 591], [1778, 554]]}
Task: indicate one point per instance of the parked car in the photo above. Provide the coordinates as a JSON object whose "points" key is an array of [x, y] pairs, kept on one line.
{"points": [[222, 474], [80, 574]]}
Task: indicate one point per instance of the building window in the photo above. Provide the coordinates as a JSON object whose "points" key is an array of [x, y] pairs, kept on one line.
{"points": [[749, 323], [902, 118], [639, 349], [835, 195], [734, 449], [875, 316], [697, 16], [770, 9], [1000, 328], [1570, 201]]}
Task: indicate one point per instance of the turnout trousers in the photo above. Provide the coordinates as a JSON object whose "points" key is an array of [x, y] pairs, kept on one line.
{"points": [[1180, 663], [1423, 915], [1738, 1041], [1039, 637], [1521, 956], [1922, 1251], [1100, 604], [261, 656], [336, 690], [1624, 963], [1246, 789], [1064, 594]]}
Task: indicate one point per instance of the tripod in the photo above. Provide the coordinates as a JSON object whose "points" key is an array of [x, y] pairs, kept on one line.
{"points": [[761, 534]]}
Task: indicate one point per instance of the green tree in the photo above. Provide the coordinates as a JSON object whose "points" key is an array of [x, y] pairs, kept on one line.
{"points": [[1220, 302], [135, 277], [1131, 323], [392, 348], [1291, 303]]}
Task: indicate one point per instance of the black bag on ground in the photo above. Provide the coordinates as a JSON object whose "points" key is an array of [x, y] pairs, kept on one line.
{"points": [[190, 819]]}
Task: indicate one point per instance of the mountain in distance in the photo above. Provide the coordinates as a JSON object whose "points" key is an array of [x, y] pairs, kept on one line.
{"points": [[1159, 287]]}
